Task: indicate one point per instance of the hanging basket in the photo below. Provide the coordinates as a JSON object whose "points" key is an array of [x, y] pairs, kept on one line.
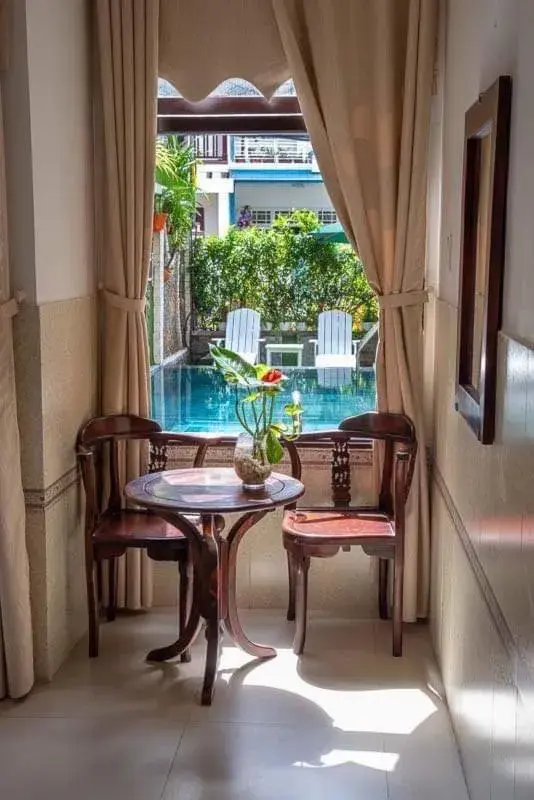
{"points": [[159, 221]]}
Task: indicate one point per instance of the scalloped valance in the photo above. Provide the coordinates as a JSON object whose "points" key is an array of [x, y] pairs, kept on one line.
{"points": [[201, 44]]}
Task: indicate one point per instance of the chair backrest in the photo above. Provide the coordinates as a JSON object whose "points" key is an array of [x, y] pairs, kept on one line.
{"points": [[98, 447], [334, 333], [400, 448], [365, 341], [243, 331]]}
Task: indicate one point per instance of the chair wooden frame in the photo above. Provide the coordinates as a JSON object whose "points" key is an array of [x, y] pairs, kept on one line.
{"points": [[378, 530], [107, 518]]}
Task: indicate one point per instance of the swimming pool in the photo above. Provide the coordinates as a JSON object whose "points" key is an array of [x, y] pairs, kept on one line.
{"points": [[196, 399]]}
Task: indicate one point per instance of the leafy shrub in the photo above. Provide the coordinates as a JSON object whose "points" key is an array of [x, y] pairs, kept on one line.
{"points": [[284, 272]]}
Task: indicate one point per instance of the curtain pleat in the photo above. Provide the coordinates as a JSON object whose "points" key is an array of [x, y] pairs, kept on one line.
{"points": [[363, 74], [127, 59], [16, 642]]}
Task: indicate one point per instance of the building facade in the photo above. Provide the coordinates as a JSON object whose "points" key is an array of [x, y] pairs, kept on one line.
{"points": [[270, 175]]}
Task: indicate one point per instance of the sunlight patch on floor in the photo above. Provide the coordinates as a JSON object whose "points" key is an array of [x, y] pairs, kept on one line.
{"points": [[392, 710], [385, 762]]}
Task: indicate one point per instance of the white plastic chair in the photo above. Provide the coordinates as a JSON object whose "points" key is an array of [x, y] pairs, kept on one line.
{"points": [[242, 333], [334, 346]]}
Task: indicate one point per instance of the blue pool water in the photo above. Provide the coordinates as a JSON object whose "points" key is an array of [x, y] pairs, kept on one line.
{"points": [[196, 399]]}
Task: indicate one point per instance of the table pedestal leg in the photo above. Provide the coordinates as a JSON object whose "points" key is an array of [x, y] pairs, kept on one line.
{"points": [[231, 619], [194, 624], [212, 588]]}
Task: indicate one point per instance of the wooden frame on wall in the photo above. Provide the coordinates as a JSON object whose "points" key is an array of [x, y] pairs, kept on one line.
{"points": [[485, 176]]}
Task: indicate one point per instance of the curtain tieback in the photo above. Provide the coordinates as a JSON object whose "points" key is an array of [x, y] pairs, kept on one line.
{"points": [[132, 304], [9, 308], [402, 299]]}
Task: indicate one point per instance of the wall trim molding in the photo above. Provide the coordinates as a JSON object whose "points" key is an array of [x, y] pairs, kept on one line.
{"points": [[312, 457], [523, 672], [41, 499]]}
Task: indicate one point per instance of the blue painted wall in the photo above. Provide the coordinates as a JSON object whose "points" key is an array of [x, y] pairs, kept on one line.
{"points": [[276, 176]]}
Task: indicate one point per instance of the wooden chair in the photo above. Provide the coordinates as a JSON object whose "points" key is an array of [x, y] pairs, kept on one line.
{"points": [[110, 526], [320, 532], [243, 333], [334, 346]]}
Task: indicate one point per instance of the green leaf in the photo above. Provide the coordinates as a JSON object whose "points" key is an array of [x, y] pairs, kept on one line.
{"points": [[234, 368], [250, 398], [293, 409], [273, 448]]}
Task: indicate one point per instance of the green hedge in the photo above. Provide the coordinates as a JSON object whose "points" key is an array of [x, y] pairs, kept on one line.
{"points": [[284, 272]]}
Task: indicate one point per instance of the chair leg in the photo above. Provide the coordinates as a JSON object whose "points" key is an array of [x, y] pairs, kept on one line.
{"points": [[302, 566], [99, 583], [398, 592], [111, 610], [291, 584], [383, 572], [92, 612], [185, 598]]}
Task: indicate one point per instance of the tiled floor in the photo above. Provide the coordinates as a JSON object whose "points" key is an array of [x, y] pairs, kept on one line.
{"points": [[345, 721]]}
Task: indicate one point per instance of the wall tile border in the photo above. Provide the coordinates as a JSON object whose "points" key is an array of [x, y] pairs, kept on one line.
{"points": [[40, 499], [312, 457]]}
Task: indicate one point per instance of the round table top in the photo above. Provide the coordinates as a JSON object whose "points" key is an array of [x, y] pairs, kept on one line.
{"points": [[208, 490]]}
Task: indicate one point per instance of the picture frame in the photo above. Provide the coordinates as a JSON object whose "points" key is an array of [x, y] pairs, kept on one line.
{"points": [[485, 178]]}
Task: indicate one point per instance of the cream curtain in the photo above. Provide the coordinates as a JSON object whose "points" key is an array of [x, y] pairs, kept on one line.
{"points": [[363, 74], [16, 643], [127, 60]]}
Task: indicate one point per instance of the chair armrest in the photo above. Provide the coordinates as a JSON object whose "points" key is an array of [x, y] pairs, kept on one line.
{"points": [[355, 345], [218, 341], [262, 339]]}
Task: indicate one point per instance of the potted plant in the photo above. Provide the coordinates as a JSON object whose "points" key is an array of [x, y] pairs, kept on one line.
{"points": [[159, 219], [256, 388]]}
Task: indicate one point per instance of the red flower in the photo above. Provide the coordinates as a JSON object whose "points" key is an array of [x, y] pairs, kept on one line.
{"points": [[273, 376]]}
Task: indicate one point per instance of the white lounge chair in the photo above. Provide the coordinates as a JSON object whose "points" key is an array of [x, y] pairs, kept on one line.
{"points": [[367, 338], [242, 333], [334, 377], [334, 346]]}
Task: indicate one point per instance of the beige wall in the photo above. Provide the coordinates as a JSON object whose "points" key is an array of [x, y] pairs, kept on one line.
{"points": [[47, 103], [482, 531]]}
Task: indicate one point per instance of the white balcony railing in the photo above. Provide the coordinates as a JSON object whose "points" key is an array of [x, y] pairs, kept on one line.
{"points": [[210, 148], [269, 150]]}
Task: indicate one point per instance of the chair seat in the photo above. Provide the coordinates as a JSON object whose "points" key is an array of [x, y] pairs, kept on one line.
{"points": [[136, 527], [321, 527]]}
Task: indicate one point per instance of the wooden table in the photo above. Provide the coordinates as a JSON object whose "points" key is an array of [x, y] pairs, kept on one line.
{"points": [[209, 492]]}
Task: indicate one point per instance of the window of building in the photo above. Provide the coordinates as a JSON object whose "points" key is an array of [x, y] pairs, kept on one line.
{"points": [[261, 217], [327, 216], [281, 212]]}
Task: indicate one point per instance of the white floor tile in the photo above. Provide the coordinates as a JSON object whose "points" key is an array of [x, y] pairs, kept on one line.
{"points": [[88, 759], [261, 762], [345, 720]]}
